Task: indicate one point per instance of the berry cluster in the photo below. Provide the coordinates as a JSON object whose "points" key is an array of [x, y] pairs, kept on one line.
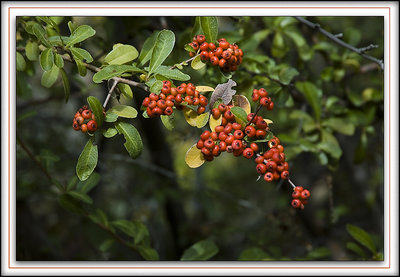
{"points": [[84, 120], [261, 96], [272, 162], [163, 103], [300, 197], [223, 54]]}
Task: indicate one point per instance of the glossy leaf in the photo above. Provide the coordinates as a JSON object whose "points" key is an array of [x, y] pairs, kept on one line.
{"points": [[80, 34], [147, 49], [21, 64], [312, 95], [110, 117], [240, 115], [32, 51], [111, 71], [124, 111], [121, 53], [97, 109], [65, 84], [40, 33], [110, 132], [87, 160], [168, 121], [174, 74], [125, 90], [50, 77], [361, 236], [200, 251], [81, 54], [58, 61], [194, 158], [133, 143], [47, 59], [81, 68], [209, 25], [71, 26], [162, 48], [197, 64]]}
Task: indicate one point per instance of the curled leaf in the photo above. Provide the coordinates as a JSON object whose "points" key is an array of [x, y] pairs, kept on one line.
{"points": [[195, 119], [243, 102], [204, 88], [223, 91], [194, 158]]}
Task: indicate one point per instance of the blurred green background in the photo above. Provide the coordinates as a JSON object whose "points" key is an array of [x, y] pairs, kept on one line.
{"points": [[221, 201]]}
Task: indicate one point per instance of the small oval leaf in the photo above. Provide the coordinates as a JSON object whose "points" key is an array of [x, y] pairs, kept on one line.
{"points": [[163, 47], [204, 88], [121, 54], [65, 84], [168, 121], [97, 109], [197, 64], [110, 132], [194, 158], [124, 111], [32, 51], [87, 160], [47, 59], [81, 68], [200, 251], [58, 61], [194, 119], [361, 236], [133, 143], [21, 64], [81, 54], [215, 122], [114, 70], [125, 90], [50, 77], [80, 34], [240, 115], [174, 74], [209, 24], [80, 196]]}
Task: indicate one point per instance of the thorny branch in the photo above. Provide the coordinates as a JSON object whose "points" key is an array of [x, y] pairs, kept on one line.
{"points": [[335, 38]]}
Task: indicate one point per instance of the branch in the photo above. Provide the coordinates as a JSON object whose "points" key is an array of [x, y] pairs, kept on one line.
{"points": [[109, 93], [335, 38], [184, 62]]}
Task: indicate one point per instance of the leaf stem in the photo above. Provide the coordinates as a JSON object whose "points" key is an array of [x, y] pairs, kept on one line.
{"points": [[184, 62], [109, 93]]}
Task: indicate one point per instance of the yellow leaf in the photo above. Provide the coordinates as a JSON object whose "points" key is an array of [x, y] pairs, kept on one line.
{"points": [[243, 102], [194, 158], [195, 119], [269, 121], [204, 88], [202, 119], [215, 122]]}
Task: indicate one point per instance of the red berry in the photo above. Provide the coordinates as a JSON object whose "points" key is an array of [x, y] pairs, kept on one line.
{"points": [[168, 110], [263, 92], [215, 113], [76, 126], [211, 46], [269, 177], [219, 129], [255, 96], [203, 100], [205, 151], [200, 144], [237, 144], [157, 111], [214, 60], [222, 146], [222, 136], [166, 89], [250, 116], [214, 136], [216, 151], [264, 102], [153, 96], [146, 102], [270, 106], [92, 125], [84, 128], [261, 168], [79, 120], [205, 135], [200, 38], [296, 203], [298, 188], [248, 153], [204, 46], [260, 134], [204, 56], [226, 55], [218, 52], [209, 143], [222, 63], [259, 159], [296, 194], [271, 165], [238, 134], [250, 131], [261, 124], [224, 44], [229, 140], [285, 175], [305, 194], [161, 104], [254, 146], [201, 110], [229, 115], [222, 108], [86, 114], [236, 126]]}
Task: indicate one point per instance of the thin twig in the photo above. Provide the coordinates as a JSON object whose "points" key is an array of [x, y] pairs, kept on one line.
{"points": [[184, 62], [109, 93], [336, 39], [254, 116]]}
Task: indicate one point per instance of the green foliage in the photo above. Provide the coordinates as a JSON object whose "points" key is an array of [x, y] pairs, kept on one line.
{"points": [[209, 25], [163, 46], [133, 142], [200, 251], [87, 160], [121, 54]]}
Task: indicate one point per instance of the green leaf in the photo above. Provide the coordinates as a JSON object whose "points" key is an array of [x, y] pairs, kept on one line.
{"points": [[47, 59], [133, 143], [355, 248], [89, 184], [80, 196], [362, 237], [125, 90], [156, 87], [253, 254], [97, 109], [110, 117], [124, 111], [65, 84], [32, 51], [81, 54], [72, 183], [81, 68], [110, 132], [147, 49], [134, 229], [286, 74], [80, 34], [87, 160], [312, 95], [168, 121], [21, 64], [163, 46], [99, 217], [114, 70], [40, 33], [71, 26], [70, 204], [106, 244], [148, 253], [197, 27], [329, 144], [121, 53], [200, 251], [58, 61], [240, 115], [197, 64], [174, 74], [49, 21], [339, 125], [50, 77], [209, 25]]}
